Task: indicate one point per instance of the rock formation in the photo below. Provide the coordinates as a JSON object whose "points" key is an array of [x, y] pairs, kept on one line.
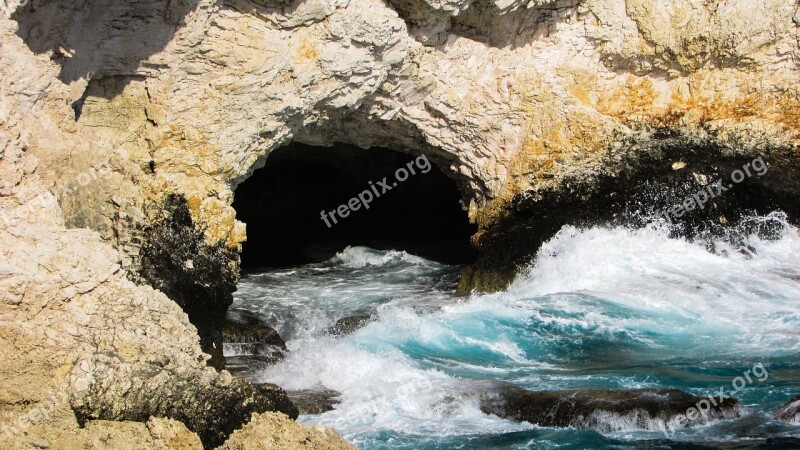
{"points": [[608, 411], [274, 431], [125, 128], [790, 412]]}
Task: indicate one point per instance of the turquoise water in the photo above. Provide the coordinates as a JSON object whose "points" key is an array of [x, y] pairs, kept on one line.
{"points": [[609, 308]]}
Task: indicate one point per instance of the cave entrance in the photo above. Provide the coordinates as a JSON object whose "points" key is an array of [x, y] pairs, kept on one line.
{"points": [[282, 205]]}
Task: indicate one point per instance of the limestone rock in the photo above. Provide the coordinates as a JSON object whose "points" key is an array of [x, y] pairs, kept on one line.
{"points": [[157, 434], [274, 431]]}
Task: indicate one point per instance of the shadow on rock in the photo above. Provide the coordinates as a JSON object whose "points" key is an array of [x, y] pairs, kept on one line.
{"points": [[92, 39]]}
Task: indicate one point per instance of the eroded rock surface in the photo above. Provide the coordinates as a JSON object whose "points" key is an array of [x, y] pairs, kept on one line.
{"points": [[262, 337], [156, 434], [274, 431], [251, 347]]}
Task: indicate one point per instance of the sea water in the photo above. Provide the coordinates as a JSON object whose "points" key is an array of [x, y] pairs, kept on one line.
{"points": [[598, 308]]}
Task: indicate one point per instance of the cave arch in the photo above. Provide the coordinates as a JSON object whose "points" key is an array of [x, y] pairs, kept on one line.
{"points": [[309, 202]]}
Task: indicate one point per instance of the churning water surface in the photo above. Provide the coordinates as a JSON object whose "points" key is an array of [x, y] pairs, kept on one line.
{"points": [[608, 308]]}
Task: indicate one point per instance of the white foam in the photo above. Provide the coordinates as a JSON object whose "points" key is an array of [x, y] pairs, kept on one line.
{"points": [[382, 390], [359, 257], [675, 285], [616, 281]]}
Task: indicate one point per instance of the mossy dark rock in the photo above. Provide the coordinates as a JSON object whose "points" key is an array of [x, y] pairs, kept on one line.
{"points": [[605, 410], [350, 324], [310, 401], [252, 333], [200, 278]]}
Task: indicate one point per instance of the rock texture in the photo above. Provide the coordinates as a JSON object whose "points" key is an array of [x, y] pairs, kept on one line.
{"points": [[274, 431], [790, 412], [251, 347], [607, 411], [315, 401], [126, 126], [522, 121], [156, 434], [262, 337], [350, 324]]}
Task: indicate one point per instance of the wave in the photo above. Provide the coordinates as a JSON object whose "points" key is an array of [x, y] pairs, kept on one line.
{"points": [[602, 307], [361, 257], [642, 280]]}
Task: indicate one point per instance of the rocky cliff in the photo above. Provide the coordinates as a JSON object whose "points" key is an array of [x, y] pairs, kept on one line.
{"points": [[125, 128]]}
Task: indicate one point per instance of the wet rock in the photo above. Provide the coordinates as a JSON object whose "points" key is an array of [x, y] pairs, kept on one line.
{"points": [[250, 348], [789, 412], [263, 337], [350, 324], [249, 366], [644, 185], [311, 401], [604, 410]]}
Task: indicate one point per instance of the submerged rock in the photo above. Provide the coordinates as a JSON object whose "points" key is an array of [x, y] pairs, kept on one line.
{"points": [[789, 412], [311, 401], [350, 324], [605, 410]]}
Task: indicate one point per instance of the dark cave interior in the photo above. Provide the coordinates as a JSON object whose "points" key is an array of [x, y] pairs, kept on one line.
{"points": [[282, 205]]}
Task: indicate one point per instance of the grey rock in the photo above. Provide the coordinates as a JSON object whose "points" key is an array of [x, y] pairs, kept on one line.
{"points": [[790, 412]]}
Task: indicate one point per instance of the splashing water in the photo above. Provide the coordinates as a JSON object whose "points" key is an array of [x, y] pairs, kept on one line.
{"points": [[605, 308]]}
